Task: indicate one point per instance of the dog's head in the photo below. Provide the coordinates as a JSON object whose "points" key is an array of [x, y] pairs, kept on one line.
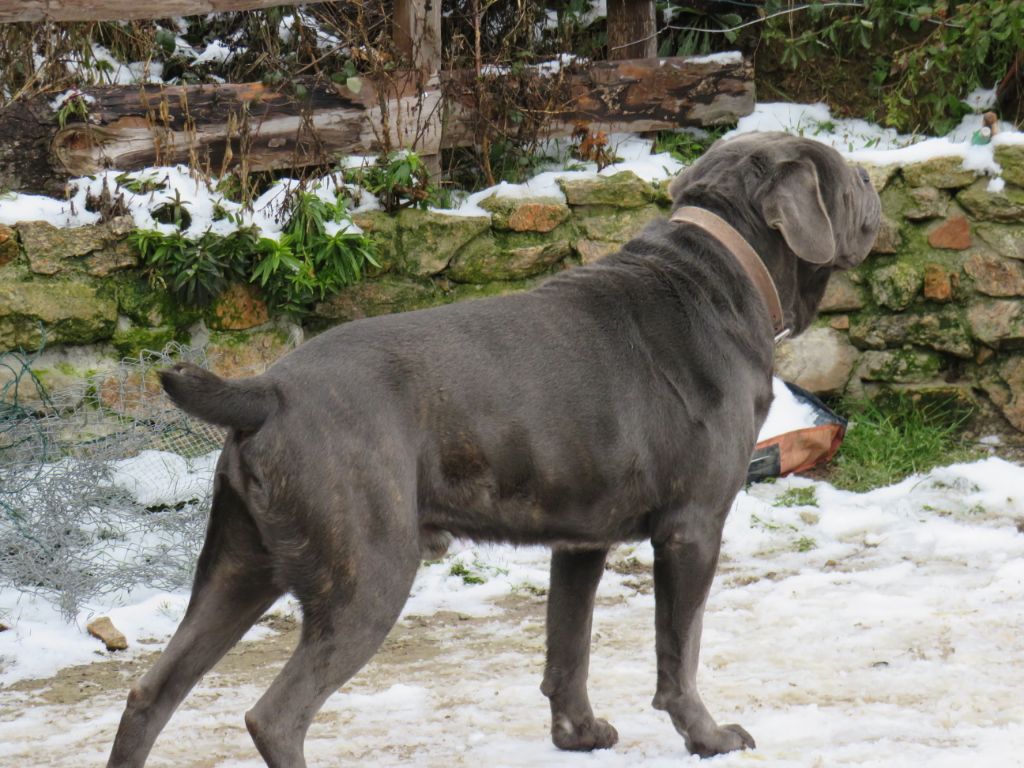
{"points": [[799, 204]]}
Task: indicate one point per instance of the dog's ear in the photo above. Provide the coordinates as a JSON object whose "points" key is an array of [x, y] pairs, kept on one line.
{"points": [[792, 204]]}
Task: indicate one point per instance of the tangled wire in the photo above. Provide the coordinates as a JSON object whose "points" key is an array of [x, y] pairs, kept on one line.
{"points": [[103, 488]]}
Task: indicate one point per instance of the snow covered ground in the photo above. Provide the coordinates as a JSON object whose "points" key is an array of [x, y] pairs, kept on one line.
{"points": [[875, 629]]}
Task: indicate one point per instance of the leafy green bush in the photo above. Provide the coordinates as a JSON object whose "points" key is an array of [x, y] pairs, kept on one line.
{"points": [[926, 54], [400, 180], [313, 258]]}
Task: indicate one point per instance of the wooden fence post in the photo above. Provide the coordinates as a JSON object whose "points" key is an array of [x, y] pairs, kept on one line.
{"points": [[417, 34], [632, 33]]}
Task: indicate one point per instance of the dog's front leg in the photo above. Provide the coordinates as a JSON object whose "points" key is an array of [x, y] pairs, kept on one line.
{"points": [[684, 566], [574, 578]]}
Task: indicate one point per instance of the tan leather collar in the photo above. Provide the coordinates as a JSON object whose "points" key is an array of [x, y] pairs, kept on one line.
{"points": [[747, 257]]}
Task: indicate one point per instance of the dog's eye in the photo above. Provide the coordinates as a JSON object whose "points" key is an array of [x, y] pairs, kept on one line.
{"points": [[862, 172]]}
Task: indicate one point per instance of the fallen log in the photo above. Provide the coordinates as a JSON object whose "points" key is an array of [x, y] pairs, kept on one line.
{"points": [[121, 10], [257, 127]]}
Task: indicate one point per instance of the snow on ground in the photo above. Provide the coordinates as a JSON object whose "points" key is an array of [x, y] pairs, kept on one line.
{"points": [[872, 629]]}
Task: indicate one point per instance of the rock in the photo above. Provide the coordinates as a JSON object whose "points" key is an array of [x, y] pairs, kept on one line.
{"points": [[622, 190], [593, 250], [509, 256], [115, 257], [1011, 159], [996, 276], [239, 308], [998, 323], [382, 229], [47, 246], [841, 294], [942, 330], [889, 238], [383, 296], [614, 225], [234, 354], [428, 241], [63, 372], [541, 214], [71, 312], [954, 234], [134, 395], [820, 360], [939, 283], [1008, 241], [8, 245], [880, 175], [896, 286], [899, 366], [131, 341], [840, 322], [1005, 206], [941, 172], [1006, 389], [103, 629], [928, 202]]}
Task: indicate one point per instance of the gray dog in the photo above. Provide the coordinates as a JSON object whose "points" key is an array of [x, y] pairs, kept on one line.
{"points": [[615, 402]]}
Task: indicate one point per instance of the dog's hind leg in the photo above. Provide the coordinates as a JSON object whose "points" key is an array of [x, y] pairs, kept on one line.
{"points": [[348, 609], [685, 557], [574, 578], [232, 589]]}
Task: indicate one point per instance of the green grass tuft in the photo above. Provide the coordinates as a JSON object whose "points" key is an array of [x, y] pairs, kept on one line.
{"points": [[893, 439], [797, 497]]}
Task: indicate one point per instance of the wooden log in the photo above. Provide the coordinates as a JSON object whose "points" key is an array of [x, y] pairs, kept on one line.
{"points": [[122, 10], [417, 34], [632, 32], [254, 127]]}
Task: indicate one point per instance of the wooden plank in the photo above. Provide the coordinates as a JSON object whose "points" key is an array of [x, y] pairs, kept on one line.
{"points": [[121, 10], [217, 126], [632, 32], [417, 33]]}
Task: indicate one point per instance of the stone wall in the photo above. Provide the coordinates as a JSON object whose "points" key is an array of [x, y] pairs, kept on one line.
{"points": [[936, 310]]}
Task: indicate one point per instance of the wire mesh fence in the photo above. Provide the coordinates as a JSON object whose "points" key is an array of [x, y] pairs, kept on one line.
{"points": [[104, 488]]}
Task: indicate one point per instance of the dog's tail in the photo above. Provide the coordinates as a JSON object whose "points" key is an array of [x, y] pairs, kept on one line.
{"points": [[240, 404]]}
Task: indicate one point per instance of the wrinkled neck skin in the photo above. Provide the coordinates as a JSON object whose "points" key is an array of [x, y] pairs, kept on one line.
{"points": [[800, 284]]}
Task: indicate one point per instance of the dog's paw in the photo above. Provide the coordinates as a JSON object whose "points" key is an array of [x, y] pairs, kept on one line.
{"points": [[719, 740], [584, 736]]}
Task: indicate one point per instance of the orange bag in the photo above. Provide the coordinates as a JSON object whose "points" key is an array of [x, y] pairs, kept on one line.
{"points": [[800, 449]]}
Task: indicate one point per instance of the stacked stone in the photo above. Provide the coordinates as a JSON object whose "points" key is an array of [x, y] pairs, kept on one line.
{"points": [[937, 309]]}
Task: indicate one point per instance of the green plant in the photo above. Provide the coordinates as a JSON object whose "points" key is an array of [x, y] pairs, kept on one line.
{"points": [[309, 263], [399, 180], [805, 544], [797, 497], [686, 146], [694, 30], [891, 439], [467, 576], [926, 55], [73, 107]]}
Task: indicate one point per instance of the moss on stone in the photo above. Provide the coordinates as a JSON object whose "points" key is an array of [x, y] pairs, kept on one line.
{"points": [[511, 255], [1005, 206], [617, 225], [61, 311], [621, 190], [428, 241], [899, 365], [130, 342]]}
